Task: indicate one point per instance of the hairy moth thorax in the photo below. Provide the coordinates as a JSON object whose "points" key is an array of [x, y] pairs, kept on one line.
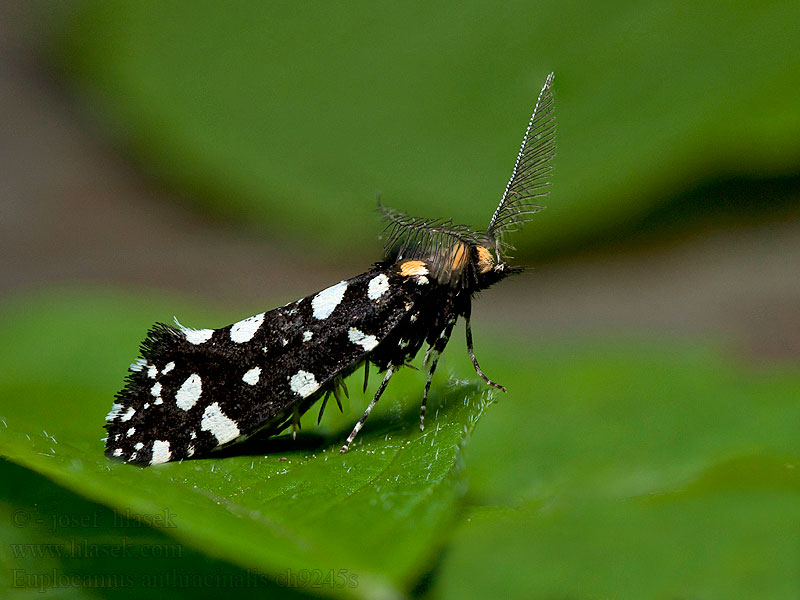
{"points": [[195, 390], [466, 267]]}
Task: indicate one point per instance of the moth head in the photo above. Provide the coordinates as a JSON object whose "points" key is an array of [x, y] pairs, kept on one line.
{"points": [[453, 255], [475, 267], [489, 270], [458, 256]]}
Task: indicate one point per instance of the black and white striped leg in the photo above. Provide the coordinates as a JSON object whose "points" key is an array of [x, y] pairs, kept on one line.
{"points": [[432, 356], [475, 360], [372, 404], [434, 362]]}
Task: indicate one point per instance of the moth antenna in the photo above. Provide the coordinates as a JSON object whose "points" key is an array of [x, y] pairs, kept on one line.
{"points": [[529, 177]]}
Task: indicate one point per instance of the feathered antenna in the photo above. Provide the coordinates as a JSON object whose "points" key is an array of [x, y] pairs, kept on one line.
{"points": [[530, 173], [437, 241]]}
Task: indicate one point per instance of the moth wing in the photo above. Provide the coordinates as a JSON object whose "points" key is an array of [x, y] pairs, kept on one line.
{"points": [[194, 390]]}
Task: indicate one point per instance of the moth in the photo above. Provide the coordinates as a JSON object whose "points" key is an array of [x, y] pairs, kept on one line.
{"points": [[195, 390]]}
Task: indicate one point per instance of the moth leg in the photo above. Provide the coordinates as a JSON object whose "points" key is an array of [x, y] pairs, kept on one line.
{"points": [[372, 404], [431, 371], [432, 354], [366, 375], [475, 360]]}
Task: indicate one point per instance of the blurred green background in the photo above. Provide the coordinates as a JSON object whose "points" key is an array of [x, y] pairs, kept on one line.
{"points": [[213, 160]]}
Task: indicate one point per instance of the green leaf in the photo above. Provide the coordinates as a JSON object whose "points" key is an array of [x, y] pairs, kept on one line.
{"points": [[275, 111], [379, 512], [629, 470], [57, 542], [626, 418], [727, 541]]}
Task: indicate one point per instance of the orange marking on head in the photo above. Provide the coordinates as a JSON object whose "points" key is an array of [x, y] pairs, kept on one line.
{"points": [[413, 267], [485, 260]]}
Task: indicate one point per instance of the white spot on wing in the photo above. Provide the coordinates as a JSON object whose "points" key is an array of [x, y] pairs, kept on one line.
{"points": [[422, 280], [128, 414], [155, 391], [220, 426], [118, 452], [243, 331], [130, 431], [303, 383], [307, 335], [377, 286], [327, 300], [367, 342], [138, 445], [138, 364], [152, 371], [189, 392], [198, 336], [168, 367], [161, 453], [251, 377]]}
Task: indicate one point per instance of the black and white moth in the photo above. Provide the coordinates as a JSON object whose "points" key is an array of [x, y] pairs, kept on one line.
{"points": [[195, 390]]}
